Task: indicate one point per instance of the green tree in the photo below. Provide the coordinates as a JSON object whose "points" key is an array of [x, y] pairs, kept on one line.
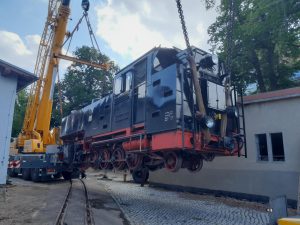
{"points": [[82, 83], [19, 112], [265, 37]]}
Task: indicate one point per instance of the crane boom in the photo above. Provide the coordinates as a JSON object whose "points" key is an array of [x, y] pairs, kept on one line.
{"points": [[41, 60], [45, 108], [35, 133]]}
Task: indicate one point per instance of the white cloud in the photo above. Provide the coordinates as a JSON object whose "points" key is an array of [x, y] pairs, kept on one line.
{"points": [[14, 50], [23, 52], [33, 41], [130, 28], [126, 34]]}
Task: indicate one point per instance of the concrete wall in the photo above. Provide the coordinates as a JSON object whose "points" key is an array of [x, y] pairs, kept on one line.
{"points": [[8, 87], [250, 176]]}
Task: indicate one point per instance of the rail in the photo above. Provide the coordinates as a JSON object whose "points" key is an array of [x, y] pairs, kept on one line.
{"points": [[89, 220]]}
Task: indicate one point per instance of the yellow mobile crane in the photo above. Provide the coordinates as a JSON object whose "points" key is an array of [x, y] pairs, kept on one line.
{"points": [[35, 134], [32, 160], [37, 146]]}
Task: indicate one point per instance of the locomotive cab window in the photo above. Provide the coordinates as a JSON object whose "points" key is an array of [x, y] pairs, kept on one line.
{"points": [[128, 81], [163, 59], [118, 85], [123, 83], [156, 65]]}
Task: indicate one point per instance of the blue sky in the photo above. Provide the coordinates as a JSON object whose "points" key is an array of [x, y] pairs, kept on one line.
{"points": [[125, 29], [31, 16]]}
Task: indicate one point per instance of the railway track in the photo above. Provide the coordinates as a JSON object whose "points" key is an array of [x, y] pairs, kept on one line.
{"points": [[65, 217]]}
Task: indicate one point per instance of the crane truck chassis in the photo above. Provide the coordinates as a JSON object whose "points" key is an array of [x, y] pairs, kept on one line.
{"points": [[41, 166]]}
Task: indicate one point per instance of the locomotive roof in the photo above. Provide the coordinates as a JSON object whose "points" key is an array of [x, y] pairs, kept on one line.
{"points": [[143, 56], [155, 49]]}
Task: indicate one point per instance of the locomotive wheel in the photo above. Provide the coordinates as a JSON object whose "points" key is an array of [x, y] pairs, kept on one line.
{"points": [[118, 159], [210, 157], [134, 160], [152, 168], [195, 164], [85, 162], [140, 175], [67, 175], [95, 160], [173, 161], [104, 159]]}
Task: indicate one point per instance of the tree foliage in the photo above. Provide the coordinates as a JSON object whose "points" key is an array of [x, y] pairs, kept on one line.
{"points": [[82, 83], [19, 112], [209, 3], [265, 37]]}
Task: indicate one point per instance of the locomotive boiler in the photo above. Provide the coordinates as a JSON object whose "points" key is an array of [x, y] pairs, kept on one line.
{"points": [[150, 120]]}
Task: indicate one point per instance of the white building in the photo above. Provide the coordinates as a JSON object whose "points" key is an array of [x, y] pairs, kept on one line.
{"points": [[12, 80], [273, 164]]}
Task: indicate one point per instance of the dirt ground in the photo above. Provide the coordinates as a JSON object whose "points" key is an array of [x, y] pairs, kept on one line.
{"points": [[39, 203], [24, 200]]}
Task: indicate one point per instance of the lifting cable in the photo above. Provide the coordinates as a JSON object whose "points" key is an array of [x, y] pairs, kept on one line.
{"points": [[70, 35], [69, 39], [91, 32], [90, 29]]}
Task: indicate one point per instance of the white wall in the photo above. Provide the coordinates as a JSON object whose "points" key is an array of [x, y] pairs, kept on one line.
{"points": [[8, 87], [250, 175]]}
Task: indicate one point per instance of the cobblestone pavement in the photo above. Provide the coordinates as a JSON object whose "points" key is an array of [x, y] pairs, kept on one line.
{"points": [[146, 205]]}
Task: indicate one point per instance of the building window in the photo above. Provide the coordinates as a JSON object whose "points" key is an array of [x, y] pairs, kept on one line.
{"points": [[277, 146], [262, 147]]}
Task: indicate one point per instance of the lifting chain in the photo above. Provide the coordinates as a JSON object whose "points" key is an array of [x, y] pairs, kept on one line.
{"points": [[184, 29], [91, 32], [201, 112]]}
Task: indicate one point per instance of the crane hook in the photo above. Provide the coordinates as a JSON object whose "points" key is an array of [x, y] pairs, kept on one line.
{"points": [[85, 4]]}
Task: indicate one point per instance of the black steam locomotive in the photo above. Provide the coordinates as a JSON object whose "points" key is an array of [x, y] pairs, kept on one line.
{"points": [[150, 120]]}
